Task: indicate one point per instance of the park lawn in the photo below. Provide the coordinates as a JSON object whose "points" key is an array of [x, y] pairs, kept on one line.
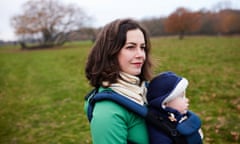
{"points": [[42, 91]]}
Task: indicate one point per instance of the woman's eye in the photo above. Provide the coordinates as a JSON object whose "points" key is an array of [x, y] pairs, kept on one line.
{"points": [[130, 47]]}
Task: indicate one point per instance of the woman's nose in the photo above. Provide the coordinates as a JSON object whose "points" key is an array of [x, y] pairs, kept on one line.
{"points": [[140, 52]]}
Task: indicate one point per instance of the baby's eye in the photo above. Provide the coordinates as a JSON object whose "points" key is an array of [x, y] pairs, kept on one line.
{"points": [[182, 96]]}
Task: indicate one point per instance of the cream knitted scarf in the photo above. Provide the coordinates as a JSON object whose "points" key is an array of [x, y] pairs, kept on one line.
{"points": [[130, 87]]}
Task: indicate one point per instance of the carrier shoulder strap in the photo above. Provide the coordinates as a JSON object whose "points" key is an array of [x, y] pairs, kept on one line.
{"points": [[117, 98]]}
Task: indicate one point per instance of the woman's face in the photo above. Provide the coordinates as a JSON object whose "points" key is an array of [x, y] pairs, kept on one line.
{"points": [[132, 55]]}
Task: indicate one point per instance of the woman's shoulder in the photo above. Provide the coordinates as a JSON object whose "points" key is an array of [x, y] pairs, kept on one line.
{"points": [[108, 113]]}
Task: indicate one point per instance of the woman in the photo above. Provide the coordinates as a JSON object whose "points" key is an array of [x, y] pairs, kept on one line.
{"points": [[119, 61]]}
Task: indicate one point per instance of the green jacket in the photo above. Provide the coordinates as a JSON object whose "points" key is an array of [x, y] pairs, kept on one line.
{"points": [[114, 124]]}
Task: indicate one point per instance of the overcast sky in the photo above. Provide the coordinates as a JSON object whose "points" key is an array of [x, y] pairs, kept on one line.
{"points": [[104, 11]]}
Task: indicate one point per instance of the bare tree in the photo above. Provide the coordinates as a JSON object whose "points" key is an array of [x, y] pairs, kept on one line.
{"points": [[48, 21]]}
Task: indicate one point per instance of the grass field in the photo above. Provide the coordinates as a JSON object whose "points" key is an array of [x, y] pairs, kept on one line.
{"points": [[42, 91]]}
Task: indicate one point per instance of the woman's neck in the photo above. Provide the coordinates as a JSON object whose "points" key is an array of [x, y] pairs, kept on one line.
{"points": [[130, 78]]}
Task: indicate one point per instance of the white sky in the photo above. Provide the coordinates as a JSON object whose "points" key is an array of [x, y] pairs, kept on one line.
{"points": [[104, 11]]}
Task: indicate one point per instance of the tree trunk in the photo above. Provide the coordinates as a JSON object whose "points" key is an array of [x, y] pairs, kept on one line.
{"points": [[181, 35], [23, 45]]}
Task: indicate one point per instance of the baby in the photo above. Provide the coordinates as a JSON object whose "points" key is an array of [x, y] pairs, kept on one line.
{"points": [[168, 104]]}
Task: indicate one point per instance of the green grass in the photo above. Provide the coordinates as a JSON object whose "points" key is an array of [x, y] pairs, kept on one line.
{"points": [[42, 91]]}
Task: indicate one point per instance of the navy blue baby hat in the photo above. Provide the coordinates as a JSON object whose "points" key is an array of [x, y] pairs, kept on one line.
{"points": [[165, 87]]}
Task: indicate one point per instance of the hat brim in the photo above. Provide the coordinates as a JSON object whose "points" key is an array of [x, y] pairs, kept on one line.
{"points": [[180, 87]]}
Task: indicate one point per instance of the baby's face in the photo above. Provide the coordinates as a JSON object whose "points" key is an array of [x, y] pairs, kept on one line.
{"points": [[179, 103]]}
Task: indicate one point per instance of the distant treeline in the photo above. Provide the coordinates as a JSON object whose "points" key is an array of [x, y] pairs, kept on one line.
{"points": [[182, 22]]}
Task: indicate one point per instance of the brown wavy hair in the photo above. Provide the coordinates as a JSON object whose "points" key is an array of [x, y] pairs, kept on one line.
{"points": [[102, 63]]}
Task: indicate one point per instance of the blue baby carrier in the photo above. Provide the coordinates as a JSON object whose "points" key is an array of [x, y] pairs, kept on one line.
{"points": [[158, 121]]}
